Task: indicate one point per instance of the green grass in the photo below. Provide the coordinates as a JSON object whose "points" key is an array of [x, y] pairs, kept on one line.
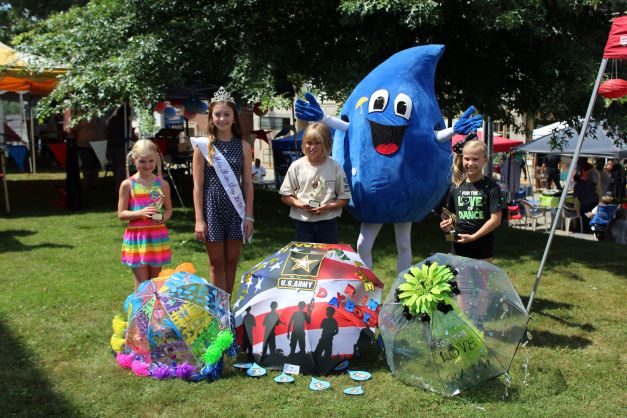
{"points": [[62, 282]]}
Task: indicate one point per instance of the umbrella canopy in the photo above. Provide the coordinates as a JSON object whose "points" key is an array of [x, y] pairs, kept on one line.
{"points": [[173, 321], [499, 143], [311, 305], [18, 74], [452, 323], [596, 143]]}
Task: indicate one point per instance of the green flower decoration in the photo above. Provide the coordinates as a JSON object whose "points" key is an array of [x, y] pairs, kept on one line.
{"points": [[425, 287]]}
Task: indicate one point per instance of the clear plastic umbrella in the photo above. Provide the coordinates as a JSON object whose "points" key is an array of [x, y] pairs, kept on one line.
{"points": [[450, 323]]}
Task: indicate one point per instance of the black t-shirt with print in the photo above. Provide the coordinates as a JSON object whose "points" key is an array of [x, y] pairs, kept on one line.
{"points": [[474, 203]]}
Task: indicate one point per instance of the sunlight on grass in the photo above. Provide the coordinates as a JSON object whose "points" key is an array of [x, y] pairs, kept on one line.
{"points": [[62, 282]]}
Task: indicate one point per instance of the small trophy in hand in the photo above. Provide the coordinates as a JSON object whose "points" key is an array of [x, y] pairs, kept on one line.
{"points": [[317, 193], [451, 235], [156, 200]]}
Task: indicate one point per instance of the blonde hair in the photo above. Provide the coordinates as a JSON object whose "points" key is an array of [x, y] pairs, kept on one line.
{"points": [[459, 175], [143, 148], [318, 132], [213, 131], [607, 199]]}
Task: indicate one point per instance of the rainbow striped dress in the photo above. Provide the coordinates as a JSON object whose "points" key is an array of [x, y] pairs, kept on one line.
{"points": [[146, 242]]}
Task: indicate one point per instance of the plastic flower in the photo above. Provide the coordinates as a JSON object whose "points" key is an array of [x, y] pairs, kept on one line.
{"points": [[425, 288]]}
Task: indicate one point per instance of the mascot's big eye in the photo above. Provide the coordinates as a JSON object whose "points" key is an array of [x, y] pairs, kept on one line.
{"points": [[402, 105], [378, 101]]}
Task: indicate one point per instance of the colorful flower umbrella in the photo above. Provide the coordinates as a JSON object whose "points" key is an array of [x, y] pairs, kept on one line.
{"points": [[178, 325], [308, 305], [450, 323]]}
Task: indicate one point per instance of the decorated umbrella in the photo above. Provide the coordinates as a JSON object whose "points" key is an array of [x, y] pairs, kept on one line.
{"points": [[450, 323], [178, 325], [309, 305]]}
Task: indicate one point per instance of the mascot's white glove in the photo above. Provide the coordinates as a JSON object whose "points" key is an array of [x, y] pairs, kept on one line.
{"points": [[311, 111]]}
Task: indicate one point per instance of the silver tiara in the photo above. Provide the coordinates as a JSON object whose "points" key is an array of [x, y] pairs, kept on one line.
{"points": [[222, 96]]}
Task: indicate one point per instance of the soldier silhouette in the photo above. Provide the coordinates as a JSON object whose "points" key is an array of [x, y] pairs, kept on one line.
{"points": [[269, 323], [329, 330], [249, 324], [297, 325]]}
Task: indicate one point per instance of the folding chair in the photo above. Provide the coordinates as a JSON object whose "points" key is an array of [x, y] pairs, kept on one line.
{"points": [[533, 213], [570, 213]]}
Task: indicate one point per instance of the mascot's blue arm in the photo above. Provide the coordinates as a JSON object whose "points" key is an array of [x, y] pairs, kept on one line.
{"points": [[311, 111], [464, 125]]}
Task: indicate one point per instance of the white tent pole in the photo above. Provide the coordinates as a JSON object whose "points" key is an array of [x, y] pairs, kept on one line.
{"points": [[32, 135], [571, 171]]}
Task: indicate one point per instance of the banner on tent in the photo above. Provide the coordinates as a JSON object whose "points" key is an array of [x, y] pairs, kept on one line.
{"points": [[100, 148], [18, 153], [59, 151]]}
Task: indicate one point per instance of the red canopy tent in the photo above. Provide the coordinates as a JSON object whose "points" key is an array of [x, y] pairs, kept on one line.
{"points": [[499, 144]]}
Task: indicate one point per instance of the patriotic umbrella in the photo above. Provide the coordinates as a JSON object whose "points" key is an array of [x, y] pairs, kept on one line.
{"points": [[178, 326], [451, 323], [309, 305]]}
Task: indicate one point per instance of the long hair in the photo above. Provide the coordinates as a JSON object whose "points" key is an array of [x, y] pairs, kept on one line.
{"points": [[318, 132], [459, 176], [143, 148], [213, 130]]}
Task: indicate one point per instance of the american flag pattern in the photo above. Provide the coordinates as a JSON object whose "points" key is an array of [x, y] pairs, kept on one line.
{"points": [[307, 304]]}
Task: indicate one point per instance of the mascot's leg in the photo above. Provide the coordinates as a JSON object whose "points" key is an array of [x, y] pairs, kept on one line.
{"points": [[367, 234], [403, 245]]}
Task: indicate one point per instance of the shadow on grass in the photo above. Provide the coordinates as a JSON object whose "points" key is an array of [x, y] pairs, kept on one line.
{"points": [[9, 241], [540, 306], [552, 340], [24, 390]]}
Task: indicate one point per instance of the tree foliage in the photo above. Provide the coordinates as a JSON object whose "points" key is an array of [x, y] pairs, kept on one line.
{"points": [[524, 56], [19, 16]]}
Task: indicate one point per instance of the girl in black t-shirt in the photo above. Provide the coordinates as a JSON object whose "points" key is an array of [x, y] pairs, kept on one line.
{"points": [[476, 201]]}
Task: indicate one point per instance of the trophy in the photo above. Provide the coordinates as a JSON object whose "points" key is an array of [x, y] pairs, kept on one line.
{"points": [[156, 200], [452, 234], [316, 194]]}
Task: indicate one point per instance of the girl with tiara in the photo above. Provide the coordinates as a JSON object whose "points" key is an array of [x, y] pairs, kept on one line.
{"points": [[144, 201], [475, 200], [223, 190]]}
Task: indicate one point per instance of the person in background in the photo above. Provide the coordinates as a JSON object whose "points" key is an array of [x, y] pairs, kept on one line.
{"points": [[618, 181], [590, 173], [605, 171], [553, 164], [587, 199], [259, 172]]}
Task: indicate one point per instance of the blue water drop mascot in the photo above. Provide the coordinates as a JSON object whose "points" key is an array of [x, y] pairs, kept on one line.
{"points": [[393, 145]]}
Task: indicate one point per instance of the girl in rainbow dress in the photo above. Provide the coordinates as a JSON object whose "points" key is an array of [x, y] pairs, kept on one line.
{"points": [[145, 203]]}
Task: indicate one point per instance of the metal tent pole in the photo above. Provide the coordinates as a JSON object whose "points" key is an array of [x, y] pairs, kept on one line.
{"points": [[32, 135], [571, 171]]}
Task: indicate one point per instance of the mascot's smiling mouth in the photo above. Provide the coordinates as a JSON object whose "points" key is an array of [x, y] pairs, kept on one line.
{"points": [[386, 140]]}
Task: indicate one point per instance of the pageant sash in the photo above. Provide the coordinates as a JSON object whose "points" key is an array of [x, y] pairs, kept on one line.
{"points": [[226, 176]]}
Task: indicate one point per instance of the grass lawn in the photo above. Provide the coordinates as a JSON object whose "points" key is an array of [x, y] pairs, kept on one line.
{"points": [[62, 282]]}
